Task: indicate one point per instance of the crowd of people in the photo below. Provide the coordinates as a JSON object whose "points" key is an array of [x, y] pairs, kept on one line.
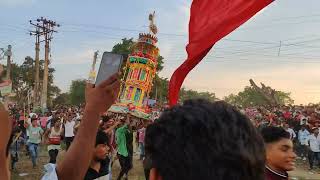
{"points": [[301, 122], [119, 134], [32, 129], [195, 140]]}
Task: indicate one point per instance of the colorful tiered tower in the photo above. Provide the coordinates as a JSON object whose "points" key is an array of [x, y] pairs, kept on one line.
{"points": [[140, 70]]}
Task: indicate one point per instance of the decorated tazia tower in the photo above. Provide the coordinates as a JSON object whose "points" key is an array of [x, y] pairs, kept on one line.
{"points": [[141, 68]]}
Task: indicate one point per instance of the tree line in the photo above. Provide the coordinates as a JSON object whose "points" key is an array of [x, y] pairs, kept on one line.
{"points": [[23, 82]]}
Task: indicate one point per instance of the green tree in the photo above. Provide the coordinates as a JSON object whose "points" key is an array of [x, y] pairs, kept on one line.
{"points": [[160, 64], [125, 47], [250, 97], [61, 99], [159, 89], [77, 92], [285, 97], [233, 99], [23, 80], [192, 94]]}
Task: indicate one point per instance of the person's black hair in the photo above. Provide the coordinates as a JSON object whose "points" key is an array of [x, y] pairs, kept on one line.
{"points": [[105, 118], [273, 134], [55, 120], [205, 140], [16, 130], [33, 119], [102, 138]]}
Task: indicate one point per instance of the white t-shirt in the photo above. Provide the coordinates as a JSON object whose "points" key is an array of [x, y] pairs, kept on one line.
{"points": [[30, 124], [52, 134], [68, 127], [33, 114], [292, 133], [314, 142]]}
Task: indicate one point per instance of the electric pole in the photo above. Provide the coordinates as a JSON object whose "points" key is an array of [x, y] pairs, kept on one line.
{"points": [[36, 91], [46, 28], [280, 48], [8, 53]]}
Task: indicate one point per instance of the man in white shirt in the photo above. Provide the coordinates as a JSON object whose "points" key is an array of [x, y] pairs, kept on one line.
{"points": [[51, 116], [69, 131], [290, 131], [303, 141], [314, 147]]}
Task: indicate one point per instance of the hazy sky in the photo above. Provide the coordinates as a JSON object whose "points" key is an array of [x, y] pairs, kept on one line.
{"points": [[249, 52]]}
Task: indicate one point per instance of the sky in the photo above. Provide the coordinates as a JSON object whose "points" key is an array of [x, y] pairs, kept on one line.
{"points": [[251, 51]]}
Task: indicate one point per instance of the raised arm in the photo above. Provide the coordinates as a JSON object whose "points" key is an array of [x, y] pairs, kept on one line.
{"points": [[98, 100], [45, 136], [107, 131], [5, 132]]}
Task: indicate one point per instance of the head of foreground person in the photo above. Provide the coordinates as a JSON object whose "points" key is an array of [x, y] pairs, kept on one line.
{"points": [[204, 140]]}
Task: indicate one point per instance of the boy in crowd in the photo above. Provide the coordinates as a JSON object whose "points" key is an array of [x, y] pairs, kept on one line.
{"points": [[35, 134], [99, 166], [280, 156]]}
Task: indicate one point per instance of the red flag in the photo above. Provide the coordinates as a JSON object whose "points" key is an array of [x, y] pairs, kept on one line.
{"points": [[210, 21]]}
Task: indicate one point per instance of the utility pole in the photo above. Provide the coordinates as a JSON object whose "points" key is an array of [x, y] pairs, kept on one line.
{"points": [[8, 53], [46, 28], [36, 91], [280, 48], [44, 95]]}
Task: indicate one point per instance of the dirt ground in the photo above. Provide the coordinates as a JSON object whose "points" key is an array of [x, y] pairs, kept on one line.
{"points": [[25, 166]]}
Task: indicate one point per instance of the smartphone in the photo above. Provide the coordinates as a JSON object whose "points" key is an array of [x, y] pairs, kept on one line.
{"points": [[110, 64]]}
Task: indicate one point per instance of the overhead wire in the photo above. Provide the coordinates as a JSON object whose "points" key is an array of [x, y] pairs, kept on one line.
{"points": [[182, 35]]}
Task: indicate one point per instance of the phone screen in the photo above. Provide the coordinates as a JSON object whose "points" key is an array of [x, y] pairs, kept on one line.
{"points": [[110, 64]]}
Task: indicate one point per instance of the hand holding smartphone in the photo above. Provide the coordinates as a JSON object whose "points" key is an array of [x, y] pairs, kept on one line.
{"points": [[110, 65]]}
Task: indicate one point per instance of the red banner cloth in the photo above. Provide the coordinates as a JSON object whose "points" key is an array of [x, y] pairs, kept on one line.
{"points": [[210, 21]]}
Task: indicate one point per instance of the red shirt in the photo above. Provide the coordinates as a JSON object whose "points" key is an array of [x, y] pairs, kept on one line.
{"points": [[287, 115], [273, 175]]}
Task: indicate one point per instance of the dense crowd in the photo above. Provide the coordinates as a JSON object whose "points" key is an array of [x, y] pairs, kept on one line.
{"points": [[195, 140], [124, 135], [295, 116], [301, 122]]}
